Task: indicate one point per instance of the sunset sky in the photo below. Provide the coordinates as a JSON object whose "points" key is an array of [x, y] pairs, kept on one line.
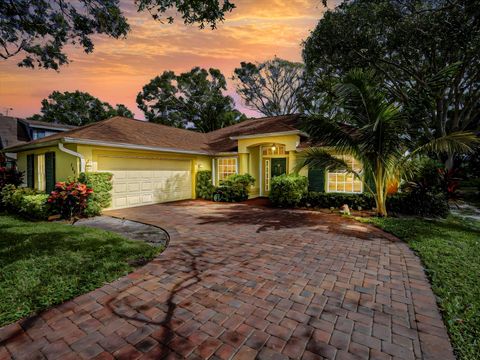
{"points": [[117, 69]]}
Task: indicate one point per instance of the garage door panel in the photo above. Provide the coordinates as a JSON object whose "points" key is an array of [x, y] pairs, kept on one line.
{"points": [[147, 185], [133, 200], [147, 181], [120, 187], [119, 202]]}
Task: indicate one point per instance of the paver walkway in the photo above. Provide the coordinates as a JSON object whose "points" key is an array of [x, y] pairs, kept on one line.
{"points": [[247, 282]]}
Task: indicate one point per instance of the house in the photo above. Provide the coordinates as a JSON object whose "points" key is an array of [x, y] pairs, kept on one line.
{"points": [[15, 131], [154, 163]]}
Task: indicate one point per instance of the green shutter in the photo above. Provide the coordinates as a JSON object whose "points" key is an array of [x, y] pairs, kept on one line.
{"points": [[30, 171], [49, 172], [316, 179]]}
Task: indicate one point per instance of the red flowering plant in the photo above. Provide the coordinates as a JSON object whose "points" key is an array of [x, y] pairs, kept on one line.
{"points": [[69, 199]]}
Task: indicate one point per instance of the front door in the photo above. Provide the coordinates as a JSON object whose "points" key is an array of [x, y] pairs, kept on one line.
{"points": [[272, 167], [279, 166]]}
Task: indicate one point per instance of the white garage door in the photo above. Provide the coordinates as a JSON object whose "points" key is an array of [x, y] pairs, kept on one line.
{"points": [[141, 181]]}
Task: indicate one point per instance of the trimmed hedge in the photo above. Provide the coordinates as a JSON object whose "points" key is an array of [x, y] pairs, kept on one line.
{"points": [[234, 188], [364, 201], [101, 183], [288, 190], [418, 203], [408, 203], [25, 202], [204, 187]]}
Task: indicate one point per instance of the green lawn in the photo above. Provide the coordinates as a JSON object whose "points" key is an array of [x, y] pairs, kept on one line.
{"points": [[43, 264], [450, 251]]}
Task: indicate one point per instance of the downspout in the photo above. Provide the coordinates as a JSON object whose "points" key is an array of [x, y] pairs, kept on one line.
{"points": [[74, 153]]}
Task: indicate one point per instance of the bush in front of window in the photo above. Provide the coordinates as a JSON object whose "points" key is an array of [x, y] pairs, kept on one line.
{"points": [[288, 190], [322, 200], [28, 203], [416, 203], [101, 198], [234, 188], [204, 187]]}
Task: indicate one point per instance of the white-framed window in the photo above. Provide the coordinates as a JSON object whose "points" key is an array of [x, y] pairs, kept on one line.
{"points": [[226, 167], [341, 181]]}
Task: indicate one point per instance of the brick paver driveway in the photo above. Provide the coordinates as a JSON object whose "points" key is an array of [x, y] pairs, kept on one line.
{"points": [[245, 282]]}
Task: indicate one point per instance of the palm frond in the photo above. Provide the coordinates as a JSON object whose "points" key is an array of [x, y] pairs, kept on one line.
{"points": [[460, 142], [326, 132], [316, 157]]}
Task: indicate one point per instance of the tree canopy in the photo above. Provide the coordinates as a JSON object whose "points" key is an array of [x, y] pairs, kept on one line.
{"points": [[192, 99], [39, 30], [273, 87], [78, 108], [427, 53], [363, 123]]}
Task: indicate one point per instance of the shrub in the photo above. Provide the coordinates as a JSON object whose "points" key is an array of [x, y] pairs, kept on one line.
{"points": [[418, 203], [35, 207], [234, 188], [6, 193], [69, 199], [26, 202], [204, 187], [101, 198], [362, 201], [10, 176], [288, 190]]}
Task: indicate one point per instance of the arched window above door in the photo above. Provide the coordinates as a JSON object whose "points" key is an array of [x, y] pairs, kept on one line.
{"points": [[275, 149]]}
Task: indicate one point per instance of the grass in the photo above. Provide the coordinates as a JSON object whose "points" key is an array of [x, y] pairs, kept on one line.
{"points": [[43, 264], [450, 252]]}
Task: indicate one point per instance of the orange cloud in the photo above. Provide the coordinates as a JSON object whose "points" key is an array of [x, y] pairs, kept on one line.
{"points": [[117, 69]]}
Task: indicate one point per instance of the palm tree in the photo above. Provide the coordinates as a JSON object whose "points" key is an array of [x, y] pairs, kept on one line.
{"points": [[362, 123]]}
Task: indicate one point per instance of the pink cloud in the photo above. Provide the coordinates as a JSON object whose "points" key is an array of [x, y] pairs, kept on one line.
{"points": [[117, 69]]}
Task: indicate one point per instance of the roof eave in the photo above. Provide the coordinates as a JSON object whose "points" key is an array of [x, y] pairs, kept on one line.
{"points": [[59, 128], [133, 146], [272, 134], [29, 146]]}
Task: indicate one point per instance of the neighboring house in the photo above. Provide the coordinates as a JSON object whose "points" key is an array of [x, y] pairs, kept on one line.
{"points": [[154, 163], [15, 131]]}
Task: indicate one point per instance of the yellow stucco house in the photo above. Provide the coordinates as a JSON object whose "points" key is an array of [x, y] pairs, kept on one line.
{"points": [[154, 163]]}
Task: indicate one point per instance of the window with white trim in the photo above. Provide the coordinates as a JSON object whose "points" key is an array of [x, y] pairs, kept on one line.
{"points": [[341, 181], [226, 167]]}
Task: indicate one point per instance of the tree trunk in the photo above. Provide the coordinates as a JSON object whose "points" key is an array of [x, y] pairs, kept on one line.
{"points": [[380, 198]]}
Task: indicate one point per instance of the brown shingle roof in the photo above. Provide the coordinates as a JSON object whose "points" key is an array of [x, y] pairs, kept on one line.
{"points": [[136, 132]]}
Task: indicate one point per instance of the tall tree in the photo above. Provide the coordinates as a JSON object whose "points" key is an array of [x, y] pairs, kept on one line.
{"points": [[362, 122], [426, 52], [40, 29], [78, 108], [193, 99], [273, 87]]}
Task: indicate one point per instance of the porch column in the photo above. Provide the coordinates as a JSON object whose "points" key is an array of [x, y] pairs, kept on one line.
{"points": [[243, 164], [292, 161]]}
